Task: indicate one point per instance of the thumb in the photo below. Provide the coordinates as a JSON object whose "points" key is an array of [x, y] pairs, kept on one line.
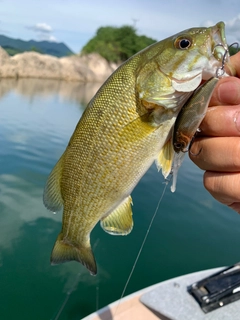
{"points": [[227, 92]]}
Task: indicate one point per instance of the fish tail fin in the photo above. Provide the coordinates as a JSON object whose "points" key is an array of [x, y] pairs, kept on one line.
{"points": [[63, 252]]}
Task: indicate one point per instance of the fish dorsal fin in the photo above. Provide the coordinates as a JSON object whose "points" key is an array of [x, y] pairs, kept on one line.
{"points": [[119, 222], [52, 197], [165, 158]]}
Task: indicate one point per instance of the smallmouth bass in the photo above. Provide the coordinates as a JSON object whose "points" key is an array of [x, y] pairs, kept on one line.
{"points": [[126, 126]]}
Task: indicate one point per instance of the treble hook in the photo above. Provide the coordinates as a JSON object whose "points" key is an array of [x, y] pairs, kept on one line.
{"points": [[189, 148], [220, 71], [231, 45], [190, 145]]}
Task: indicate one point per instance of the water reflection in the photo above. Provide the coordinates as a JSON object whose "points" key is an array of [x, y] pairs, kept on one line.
{"points": [[36, 122], [33, 134], [37, 118], [72, 91], [191, 232]]}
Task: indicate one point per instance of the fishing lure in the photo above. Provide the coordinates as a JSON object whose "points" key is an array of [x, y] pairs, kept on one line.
{"points": [[188, 122], [191, 116]]}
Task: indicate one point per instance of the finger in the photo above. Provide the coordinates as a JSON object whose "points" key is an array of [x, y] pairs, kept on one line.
{"points": [[235, 64], [227, 92], [224, 187], [216, 154], [221, 121], [235, 206]]}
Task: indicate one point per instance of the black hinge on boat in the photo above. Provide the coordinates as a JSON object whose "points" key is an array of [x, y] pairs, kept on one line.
{"points": [[217, 290]]}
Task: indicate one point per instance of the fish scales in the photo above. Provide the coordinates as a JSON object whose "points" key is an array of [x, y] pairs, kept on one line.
{"points": [[108, 137], [126, 126]]}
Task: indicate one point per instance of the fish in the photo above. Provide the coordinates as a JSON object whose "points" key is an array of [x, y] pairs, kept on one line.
{"points": [[126, 126], [188, 122]]}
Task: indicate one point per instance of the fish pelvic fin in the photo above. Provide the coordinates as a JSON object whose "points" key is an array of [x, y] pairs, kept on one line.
{"points": [[164, 160], [63, 251], [52, 197], [119, 222]]}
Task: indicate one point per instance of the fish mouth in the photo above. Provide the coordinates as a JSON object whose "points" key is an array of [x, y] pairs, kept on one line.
{"points": [[218, 35], [220, 47], [219, 57]]}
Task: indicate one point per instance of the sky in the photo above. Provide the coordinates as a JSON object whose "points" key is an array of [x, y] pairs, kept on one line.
{"points": [[75, 22]]}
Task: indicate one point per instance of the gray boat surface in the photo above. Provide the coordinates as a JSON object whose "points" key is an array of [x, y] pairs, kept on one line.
{"points": [[167, 300]]}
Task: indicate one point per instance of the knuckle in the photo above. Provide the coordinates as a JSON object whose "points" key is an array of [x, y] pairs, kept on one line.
{"points": [[210, 181], [235, 156]]}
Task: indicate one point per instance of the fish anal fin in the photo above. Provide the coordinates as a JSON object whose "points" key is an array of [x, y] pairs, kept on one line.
{"points": [[63, 252], [165, 157], [52, 197], [119, 222]]}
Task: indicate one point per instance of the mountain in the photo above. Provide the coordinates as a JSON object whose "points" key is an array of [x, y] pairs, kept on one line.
{"points": [[87, 68], [13, 46]]}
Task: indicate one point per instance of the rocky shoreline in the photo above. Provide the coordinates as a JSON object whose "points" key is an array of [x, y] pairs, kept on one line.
{"points": [[88, 68]]}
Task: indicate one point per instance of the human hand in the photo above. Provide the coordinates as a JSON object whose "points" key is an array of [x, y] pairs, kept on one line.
{"points": [[219, 141]]}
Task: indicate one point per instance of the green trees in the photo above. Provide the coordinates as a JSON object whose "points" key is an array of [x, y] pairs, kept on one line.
{"points": [[117, 44], [233, 50], [35, 49]]}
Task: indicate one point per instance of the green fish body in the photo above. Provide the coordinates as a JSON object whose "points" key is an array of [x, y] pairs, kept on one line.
{"points": [[125, 128]]}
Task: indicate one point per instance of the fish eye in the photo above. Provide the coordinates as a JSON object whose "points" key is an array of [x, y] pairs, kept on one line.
{"points": [[178, 146], [183, 43]]}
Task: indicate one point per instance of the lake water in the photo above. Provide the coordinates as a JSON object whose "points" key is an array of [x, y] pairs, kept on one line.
{"points": [[191, 231]]}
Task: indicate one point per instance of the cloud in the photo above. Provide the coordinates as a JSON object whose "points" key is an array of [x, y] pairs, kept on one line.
{"points": [[232, 29], [52, 38], [43, 31], [43, 27], [207, 23], [46, 37], [233, 25]]}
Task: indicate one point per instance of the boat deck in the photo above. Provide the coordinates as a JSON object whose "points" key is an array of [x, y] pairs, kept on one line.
{"points": [[128, 308], [168, 300]]}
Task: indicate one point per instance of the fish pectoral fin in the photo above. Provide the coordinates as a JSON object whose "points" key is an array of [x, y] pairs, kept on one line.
{"points": [[64, 252], [164, 160], [119, 222], [52, 197], [138, 129]]}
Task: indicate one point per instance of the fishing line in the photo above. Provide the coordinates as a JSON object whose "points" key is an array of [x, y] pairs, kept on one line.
{"points": [[72, 288], [68, 294], [142, 245], [97, 298]]}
